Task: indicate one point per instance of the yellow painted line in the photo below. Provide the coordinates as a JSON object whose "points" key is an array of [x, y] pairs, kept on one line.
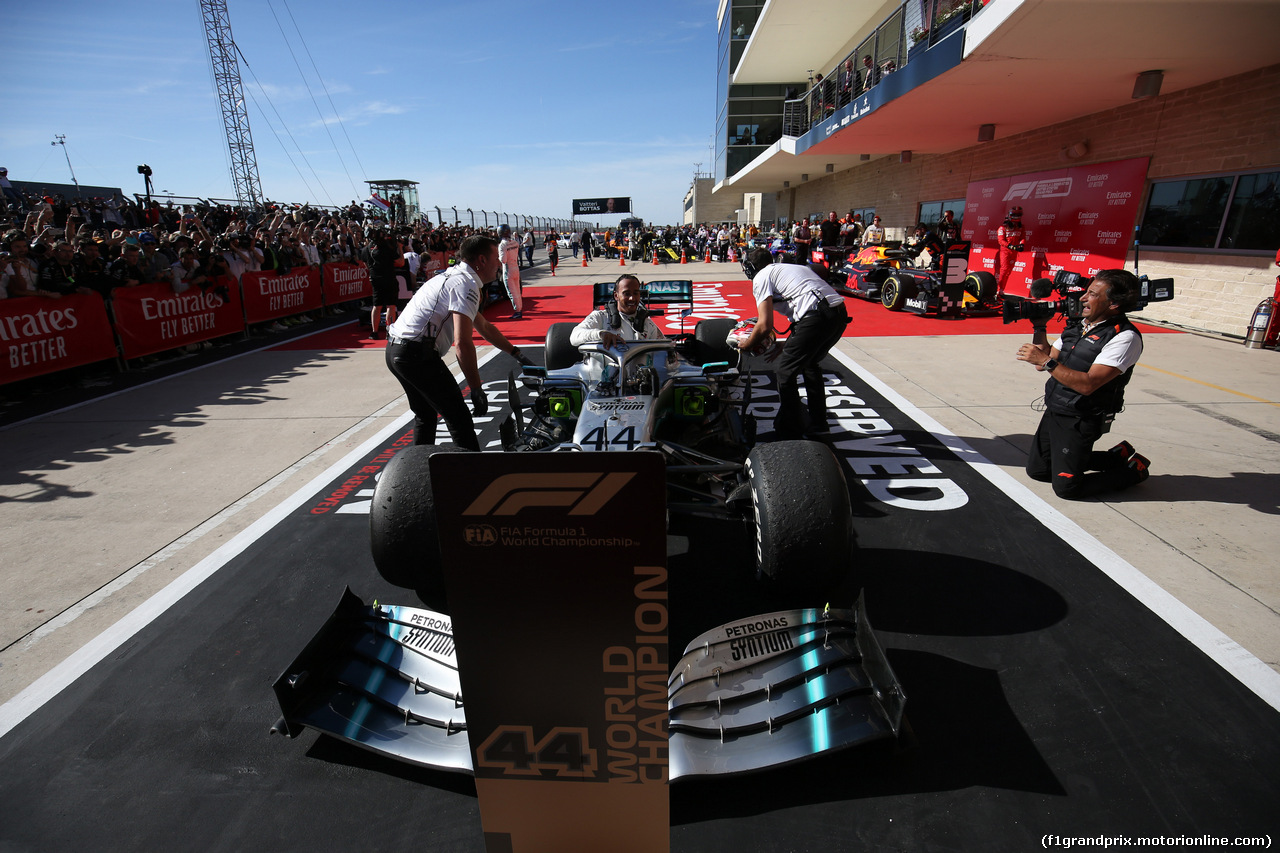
{"points": [[1210, 385]]}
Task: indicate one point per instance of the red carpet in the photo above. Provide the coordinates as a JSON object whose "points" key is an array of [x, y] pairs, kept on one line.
{"points": [[544, 306]]}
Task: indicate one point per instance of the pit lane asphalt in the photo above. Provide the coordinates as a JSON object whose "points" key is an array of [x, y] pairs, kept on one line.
{"points": [[109, 501]]}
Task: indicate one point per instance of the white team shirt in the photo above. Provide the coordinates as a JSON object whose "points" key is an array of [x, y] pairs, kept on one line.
{"points": [[428, 313], [795, 289], [1121, 352]]}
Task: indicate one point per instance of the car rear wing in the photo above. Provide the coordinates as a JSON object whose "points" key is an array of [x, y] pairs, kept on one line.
{"points": [[675, 292]]}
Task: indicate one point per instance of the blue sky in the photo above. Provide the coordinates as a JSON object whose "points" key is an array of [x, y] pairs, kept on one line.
{"points": [[498, 105]]}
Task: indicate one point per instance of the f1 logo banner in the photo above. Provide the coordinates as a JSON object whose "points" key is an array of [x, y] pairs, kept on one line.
{"points": [[1079, 219], [555, 569]]}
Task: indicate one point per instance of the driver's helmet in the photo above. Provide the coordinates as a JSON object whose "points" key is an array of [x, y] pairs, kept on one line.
{"points": [[1015, 213], [743, 330]]}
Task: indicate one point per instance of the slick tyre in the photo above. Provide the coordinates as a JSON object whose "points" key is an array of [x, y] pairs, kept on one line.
{"points": [[403, 534], [803, 520], [981, 285], [712, 341], [895, 290], [560, 353]]}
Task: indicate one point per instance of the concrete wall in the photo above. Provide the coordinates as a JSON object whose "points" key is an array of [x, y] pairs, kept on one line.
{"points": [[1226, 126]]}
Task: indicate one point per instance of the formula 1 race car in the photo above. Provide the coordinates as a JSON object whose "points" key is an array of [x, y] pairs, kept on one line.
{"points": [[682, 397], [759, 692], [885, 275]]}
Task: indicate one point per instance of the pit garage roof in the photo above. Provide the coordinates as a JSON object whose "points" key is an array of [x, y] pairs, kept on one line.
{"points": [[1027, 64]]}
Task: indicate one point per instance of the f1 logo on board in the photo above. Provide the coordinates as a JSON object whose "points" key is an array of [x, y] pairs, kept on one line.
{"points": [[585, 493], [1050, 188]]}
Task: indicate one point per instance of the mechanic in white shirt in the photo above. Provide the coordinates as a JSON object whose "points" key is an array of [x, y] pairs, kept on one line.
{"points": [[818, 318], [444, 312], [622, 321]]}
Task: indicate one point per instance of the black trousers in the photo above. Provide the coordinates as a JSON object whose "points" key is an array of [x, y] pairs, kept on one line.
{"points": [[810, 339], [1062, 453], [432, 391]]}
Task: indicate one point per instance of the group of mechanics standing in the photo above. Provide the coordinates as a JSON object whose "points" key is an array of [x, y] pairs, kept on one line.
{"points": [[1088, 367]]}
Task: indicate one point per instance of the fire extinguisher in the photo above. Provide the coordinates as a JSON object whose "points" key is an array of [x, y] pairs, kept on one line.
{"points": [[1260, 323], [1264, 325]]}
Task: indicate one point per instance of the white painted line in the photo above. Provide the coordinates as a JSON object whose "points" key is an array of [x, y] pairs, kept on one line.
{"points": [[23, 705], [1226, 652]]}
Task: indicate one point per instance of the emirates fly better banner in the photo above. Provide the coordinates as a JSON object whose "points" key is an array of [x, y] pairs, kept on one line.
{"points": [[41, 335], [151, 318], [1079, 219], [344, 282], [269, 295]]}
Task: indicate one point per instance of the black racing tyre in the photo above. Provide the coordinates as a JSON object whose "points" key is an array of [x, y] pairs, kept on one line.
{"points": [[804, 522], [712, 337], [560, 353], [402, 521], [894, 292], [981, 284]]}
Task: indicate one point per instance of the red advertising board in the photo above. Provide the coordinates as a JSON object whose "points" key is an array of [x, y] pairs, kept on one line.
{"points": [[269, 295], [1079, 219], [42, 335], [152, 318], [344, 282]]}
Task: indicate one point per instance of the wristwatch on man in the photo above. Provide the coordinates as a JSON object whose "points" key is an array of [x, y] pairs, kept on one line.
{"points": [[1049, 365]]}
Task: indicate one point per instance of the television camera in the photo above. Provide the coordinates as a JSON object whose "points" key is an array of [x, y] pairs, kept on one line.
{"points": [[1061, 295]]}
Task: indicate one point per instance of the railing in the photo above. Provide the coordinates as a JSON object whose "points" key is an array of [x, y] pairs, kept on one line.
{"points": [[888, 48]]}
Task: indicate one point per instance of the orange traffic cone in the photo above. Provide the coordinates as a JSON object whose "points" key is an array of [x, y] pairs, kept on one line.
{"points": [[684, 257], [708, 255], [622, 257], [655, 256], [584, 259], [732, 255]]}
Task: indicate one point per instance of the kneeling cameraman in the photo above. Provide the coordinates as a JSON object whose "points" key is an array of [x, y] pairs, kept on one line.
{"points": [[1085, 391]]}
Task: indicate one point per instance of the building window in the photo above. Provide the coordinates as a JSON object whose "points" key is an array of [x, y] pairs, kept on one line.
{"points": [[867, 213], [1232, 212], [931, 211]]}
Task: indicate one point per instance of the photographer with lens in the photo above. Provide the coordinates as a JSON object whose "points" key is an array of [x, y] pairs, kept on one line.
{"points": [[1089, 367]]}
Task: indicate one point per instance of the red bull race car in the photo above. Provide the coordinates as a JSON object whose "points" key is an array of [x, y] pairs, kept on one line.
{"points": [[886, 275]]}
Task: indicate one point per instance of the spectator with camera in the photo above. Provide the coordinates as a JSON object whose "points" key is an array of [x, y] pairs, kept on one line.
{"points": [[242, 256], [1088, 367], [18, 270]]}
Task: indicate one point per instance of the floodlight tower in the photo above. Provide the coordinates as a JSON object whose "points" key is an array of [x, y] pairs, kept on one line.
{"points": [[235, 115]]}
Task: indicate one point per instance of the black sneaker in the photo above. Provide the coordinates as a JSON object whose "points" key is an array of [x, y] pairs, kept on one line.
{"points": [[517, 315], [1141, 468], [1124, 450]]}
